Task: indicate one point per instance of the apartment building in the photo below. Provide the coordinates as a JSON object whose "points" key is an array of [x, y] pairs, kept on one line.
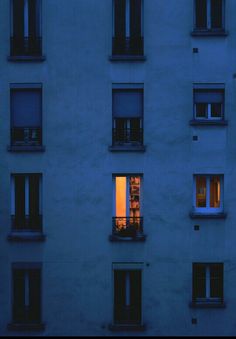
{"points": [[117, 148]]}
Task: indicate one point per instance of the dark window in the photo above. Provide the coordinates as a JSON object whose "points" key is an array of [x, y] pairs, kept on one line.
{"points": [[201, 14], [127, 297], [209, 104], [26, 214], [26, 296], [216, 14], [209, 14], [127, 117], [26, 31], [127, 39], [207, 282], [26, 117]]}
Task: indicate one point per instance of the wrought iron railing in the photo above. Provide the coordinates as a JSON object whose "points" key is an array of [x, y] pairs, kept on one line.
{"points": [[127, 136], [26, 136], [26, 223], [127, 46], [127, 226], [30, 46]]}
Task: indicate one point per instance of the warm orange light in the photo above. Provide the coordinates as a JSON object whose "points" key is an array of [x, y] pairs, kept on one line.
{"points": [[121, 197]]}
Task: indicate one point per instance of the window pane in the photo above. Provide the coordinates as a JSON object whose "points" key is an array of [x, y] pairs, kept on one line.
{"points": [[119, 296], [134, 197], [201, 110], [19, 201], [135, 133], [216, 14], [19, 315], [34, 296], [200, 191], [216, 276], [135, 296], [18, 18], [119, 9], [216, 110], [121, 199], [199, 281], [215, 191], [201, 14], [135, 18]]}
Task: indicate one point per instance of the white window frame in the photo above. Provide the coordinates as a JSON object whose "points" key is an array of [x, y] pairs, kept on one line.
{"points": [[209, 17], [209, 117], [208, 209], [114, 176]]}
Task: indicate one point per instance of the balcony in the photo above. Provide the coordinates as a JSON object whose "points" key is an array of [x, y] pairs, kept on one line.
{"points": [[127, 48], [32, 223], [127, 228]]}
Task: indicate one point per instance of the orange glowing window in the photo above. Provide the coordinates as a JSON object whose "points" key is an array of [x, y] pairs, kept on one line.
{"points": [[209, 191]]}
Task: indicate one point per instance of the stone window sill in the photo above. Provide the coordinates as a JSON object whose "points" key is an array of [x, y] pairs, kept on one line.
{"points": [[117, 238], [207, 305], [139, 328], [127, 148], [26, 327], [199, 122], [196, 215], [127, 58], [208, 33], [26, 236], [23, 58], [25, 148]]}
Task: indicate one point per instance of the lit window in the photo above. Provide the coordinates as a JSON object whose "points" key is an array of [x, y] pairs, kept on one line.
{"points": [[209, 15], [207, 283], [208, 193], [127, 220], [209, 104]]}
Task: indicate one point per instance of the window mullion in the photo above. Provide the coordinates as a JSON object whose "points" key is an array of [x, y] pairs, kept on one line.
{"points": [[26, 195], [127, 288], [127, 18], [13, 193], [208, 14], [208, 192], [26, 19], [127, 196], [208, 111], [208, 282]]}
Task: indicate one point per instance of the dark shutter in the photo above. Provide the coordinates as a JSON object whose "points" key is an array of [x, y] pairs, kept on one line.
{"points": [[135, 18], [19, 201], [135, 296], [119, 17], [18, 18], [32, 18], [199, 281], [34, 201], [18, 296], [201, 14], [127, 103], [216, 14], [216, 283], [119, 296], [34, 295]]}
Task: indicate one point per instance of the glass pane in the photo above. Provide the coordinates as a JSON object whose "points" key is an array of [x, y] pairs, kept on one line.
{"points": [[215, 191], [216, 281], [216, 14], [216, 110], [134, 199], [120, 196], [200, 191], [201, 110], [201, 14]]}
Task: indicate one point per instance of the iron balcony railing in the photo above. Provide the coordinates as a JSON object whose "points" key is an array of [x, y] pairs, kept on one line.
{"points": [[26, 136], [127, 46], [30, 46], [127, 136], [127, 315], [26, 223], [127, 226]]}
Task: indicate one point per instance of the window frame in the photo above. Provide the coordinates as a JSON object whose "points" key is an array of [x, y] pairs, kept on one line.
{"points": [[209, 19], [208, 209]]}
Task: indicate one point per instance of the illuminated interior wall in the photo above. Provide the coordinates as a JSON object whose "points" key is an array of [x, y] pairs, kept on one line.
{"points": [[121, 196]]}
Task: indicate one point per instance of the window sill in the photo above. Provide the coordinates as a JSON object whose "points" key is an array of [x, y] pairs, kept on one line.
{"points": [[26, 327], [139, 328], [208, 122], [23, 58], [117, 238], [196, 215], [127, 148], [26, 236], [25, 148], [127, 58], [207, 305], [216, 33]]}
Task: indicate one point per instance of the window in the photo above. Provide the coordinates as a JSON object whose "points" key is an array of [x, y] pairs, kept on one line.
{"points": [[26, 202], [127, 107], [209, 15], [209, 104], [26, 294], [208, 283], [127, 221], [127, 296], [26, 115], [208, 193], [26, 28], [127, 28]]}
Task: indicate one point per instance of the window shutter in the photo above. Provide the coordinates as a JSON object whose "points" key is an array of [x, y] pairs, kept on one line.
{"points": [[18, 18], [19, 200], [18, 296], [208, 96], [119, 296], [201, 14], [127, 104], [216, 14], [135, 296], [26, 108], [119, 17], [34, 295], [135, 18]]}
